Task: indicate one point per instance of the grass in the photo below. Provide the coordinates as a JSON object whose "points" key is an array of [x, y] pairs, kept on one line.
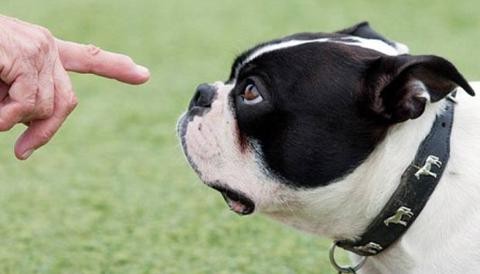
{"points": [[112, 192]]}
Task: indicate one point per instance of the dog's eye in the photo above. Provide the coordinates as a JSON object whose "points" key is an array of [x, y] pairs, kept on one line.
{"points": [[251, 96]]}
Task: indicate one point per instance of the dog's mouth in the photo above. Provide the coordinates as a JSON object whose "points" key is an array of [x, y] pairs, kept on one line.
{"points": [[236, 201]]}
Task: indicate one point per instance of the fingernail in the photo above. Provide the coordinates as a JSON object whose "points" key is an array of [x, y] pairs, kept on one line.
{"points": [[27, 154], [143, 70]]}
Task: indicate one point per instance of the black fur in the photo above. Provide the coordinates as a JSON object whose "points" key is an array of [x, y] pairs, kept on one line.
{"points": [[308, 127], [312, 127]]}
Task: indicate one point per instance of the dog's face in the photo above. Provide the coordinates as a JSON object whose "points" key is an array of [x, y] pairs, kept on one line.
{"points": [[300, 113]]}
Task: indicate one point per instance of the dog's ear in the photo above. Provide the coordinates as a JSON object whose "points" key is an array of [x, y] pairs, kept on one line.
{"points": [[364, 30], [397, 88]]}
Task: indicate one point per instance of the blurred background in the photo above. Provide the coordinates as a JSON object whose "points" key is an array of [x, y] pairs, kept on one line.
{"points": [[112, 192]]}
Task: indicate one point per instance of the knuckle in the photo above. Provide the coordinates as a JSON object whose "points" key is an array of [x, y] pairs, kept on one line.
{"points": [[68, 105], [91, 51], [72, 102], [45, 112], [27, 108], [36, 49], [43, 136], [45, 40], [31, 87], [33, 49], [5, 126]]}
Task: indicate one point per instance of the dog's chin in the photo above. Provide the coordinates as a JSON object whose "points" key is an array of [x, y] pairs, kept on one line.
{"points": [[236, 201]]}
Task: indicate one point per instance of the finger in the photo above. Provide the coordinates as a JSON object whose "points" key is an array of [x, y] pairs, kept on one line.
{"points": [[45, 97], [3, 90], [91, 59], [41, 131], [19, 103]]}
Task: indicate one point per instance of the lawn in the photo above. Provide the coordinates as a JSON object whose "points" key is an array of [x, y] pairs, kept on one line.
{"points": [[112, 192]]}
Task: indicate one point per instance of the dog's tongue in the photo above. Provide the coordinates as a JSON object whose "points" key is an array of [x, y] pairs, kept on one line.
{"points": [[238, 203], [236, 206]]}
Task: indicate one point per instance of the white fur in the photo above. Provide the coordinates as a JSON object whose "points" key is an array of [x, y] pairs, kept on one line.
{"points": [[402, 48], [212, 144], [373, 44], [445, 238]]}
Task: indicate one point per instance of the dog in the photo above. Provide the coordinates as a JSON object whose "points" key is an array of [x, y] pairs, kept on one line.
{"points": [[316, 129]]}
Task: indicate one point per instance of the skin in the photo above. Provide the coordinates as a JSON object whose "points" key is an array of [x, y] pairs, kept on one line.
{"points": [[35, 88]]}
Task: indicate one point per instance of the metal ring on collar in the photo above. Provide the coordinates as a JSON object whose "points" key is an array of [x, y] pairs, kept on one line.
{"points": [[344, 269]]}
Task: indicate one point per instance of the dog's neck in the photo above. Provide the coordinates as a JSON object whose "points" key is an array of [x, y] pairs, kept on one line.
{"points": [[361, 195]]}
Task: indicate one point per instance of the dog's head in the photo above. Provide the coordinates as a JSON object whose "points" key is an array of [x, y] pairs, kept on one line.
{"points": [[302, 112]]}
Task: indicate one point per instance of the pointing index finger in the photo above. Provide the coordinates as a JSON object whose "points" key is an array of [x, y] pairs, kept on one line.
{"points": [[91, 59]]}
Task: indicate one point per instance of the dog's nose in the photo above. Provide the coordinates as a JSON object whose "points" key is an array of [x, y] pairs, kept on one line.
{"points": [[203, 97]]}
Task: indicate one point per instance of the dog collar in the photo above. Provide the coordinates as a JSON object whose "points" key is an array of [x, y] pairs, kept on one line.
{"points": [[417, 183]]}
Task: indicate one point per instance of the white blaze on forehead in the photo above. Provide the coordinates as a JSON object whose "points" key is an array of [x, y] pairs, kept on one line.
{"points": [[373, 44]]}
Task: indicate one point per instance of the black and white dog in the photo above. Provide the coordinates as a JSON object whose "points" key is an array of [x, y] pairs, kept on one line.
{"points": [[316, 130]]}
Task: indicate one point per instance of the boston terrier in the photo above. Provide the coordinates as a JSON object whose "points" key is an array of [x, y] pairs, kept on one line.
{"points": [[319, 131]]}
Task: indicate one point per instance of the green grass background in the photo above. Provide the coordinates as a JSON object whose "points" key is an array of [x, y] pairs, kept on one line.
{"points": [[112, 192]]}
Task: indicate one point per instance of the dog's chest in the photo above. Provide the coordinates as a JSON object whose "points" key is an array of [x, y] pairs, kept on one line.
{"points": [[445, 237]]}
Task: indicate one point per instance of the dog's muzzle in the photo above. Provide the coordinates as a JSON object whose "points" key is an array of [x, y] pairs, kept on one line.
{"points": [[199, 105]]}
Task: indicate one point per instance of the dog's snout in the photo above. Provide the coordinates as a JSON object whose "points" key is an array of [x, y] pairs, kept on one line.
{"points": [[203, 97]]}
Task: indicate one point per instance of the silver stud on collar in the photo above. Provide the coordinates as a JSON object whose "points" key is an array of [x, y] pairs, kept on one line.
{"points": [[452, 99], [426, 168], [370, 248], [397, 218]]}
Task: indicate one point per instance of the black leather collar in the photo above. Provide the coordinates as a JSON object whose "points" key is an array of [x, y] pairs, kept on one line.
{"points": [[417, 184]]}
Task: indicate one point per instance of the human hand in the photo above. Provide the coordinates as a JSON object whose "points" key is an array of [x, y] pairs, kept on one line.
{"points": [[35, 88]]}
